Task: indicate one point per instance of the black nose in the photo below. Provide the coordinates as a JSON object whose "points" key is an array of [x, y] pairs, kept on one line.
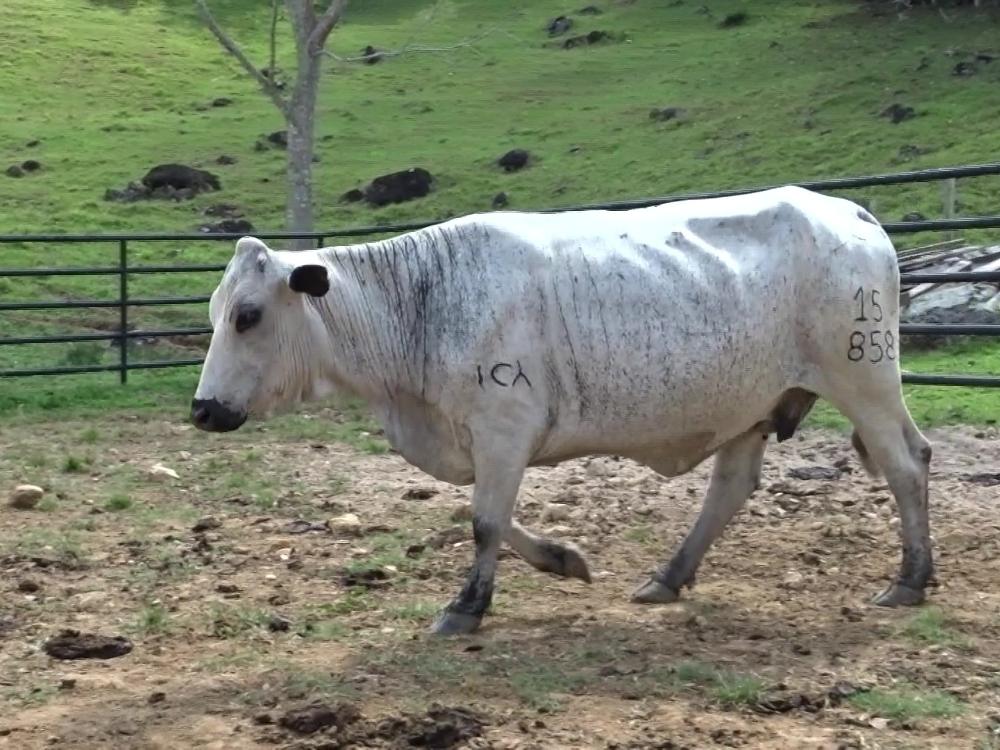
{"points": [[212, 416]]}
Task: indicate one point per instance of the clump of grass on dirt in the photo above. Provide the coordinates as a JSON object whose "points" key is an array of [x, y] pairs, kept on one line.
{"points": [[724, 686], [236, 620], [153, 619], [76, 465], [908, 703], [542, 686], [931, 626], [117, 503]]}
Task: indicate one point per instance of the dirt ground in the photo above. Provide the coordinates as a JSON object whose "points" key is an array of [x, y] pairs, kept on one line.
{"points": [[235, 607]]}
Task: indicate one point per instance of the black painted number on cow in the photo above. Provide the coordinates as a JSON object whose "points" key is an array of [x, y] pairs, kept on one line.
{"points": [[876, 343], [502, 374]]}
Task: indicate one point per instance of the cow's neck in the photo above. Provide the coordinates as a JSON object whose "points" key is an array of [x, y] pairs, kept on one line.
{"points": [[369, 314]]}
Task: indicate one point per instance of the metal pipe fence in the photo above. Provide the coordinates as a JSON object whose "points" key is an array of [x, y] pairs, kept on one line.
{"points": [[123, 270]]}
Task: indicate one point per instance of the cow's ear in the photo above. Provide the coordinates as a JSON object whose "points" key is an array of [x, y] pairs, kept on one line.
{"points": [[251, 246], [310, 279]]}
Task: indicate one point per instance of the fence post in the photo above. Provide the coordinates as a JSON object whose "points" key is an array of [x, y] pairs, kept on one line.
{"points": [[319, 242], [948, 198], [123, 308]]}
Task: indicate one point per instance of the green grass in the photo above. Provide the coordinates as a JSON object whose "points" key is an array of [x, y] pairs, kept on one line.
{"points": [[793, 94], [932, 627], [233, 621], [725, 687], [153, 620], [907, 703], [117, 503]]}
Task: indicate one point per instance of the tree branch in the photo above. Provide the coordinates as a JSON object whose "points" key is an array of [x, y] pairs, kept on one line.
{"points": [[411, 48], [267, 85], [326, 23], [274, 38]]}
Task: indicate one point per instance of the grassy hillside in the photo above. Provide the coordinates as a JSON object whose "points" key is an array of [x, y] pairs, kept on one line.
{"points": [[109, 88]]}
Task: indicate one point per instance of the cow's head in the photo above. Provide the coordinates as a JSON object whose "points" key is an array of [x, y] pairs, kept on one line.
{"points": [[259, 360]]}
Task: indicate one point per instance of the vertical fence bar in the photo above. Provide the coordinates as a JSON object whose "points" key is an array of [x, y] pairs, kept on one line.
{"points": [[123, 308], [319, 241]]}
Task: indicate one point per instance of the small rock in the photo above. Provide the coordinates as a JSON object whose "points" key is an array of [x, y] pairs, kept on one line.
{"points": [[31, 165], [278, 624], [732, 20], [559, 25], [462, 512], [663, 114], [316, 717], [27, 586], [157, 697], [794, 580], [14, 171], [348, 525], [26, 496], [914, 216], [279, 138], [419, 493], [160, 473], [227, 588], [301, 527], [500, 200], [222, 101], [514, 160], [897, 113], [806, 473], [555, 512], [228, 226], [371, 55], [226, 160], [590, 10], [205, 524]]}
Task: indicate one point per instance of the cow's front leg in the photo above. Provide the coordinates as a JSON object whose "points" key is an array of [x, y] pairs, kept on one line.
{"points": [[493, 498], [734, 478]]}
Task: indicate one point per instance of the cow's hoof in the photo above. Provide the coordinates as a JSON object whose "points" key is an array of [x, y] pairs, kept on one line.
{"points": [[455, 623], [898, 595], [576, 563], [567, 560], [654, 592]]}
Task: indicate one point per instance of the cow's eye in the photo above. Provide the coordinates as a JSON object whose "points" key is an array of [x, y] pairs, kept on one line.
{"points": [[247, 319]]}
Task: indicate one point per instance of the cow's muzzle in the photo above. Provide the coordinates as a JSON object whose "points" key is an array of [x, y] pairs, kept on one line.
{"points": [[211, 416]]}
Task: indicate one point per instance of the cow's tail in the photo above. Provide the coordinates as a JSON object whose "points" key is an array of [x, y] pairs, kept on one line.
{"points": [[864, 456]]}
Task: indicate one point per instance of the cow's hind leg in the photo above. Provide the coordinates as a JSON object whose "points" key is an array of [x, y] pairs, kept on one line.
{"points": [[493, 498], [735, 476], [560, 558], [887, 438]]}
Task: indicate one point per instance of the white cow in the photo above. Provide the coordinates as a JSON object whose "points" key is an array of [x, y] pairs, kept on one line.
{"points": [[499, 341]]}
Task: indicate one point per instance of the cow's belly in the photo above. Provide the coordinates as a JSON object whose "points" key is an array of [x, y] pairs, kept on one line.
{"points": [[425, 438], [684, 408]]}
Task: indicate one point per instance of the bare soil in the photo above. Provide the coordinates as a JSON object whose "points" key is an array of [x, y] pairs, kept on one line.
{"points": [[264, 628]]}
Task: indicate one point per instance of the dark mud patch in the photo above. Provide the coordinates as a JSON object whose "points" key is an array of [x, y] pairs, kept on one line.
{"points": [[342, 725], [72, 644]]}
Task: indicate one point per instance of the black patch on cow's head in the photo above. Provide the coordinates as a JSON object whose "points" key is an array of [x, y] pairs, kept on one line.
{"points": [[310, 279]]}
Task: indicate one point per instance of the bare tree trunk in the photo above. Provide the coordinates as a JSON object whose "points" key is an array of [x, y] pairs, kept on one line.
{"points": [[301, 120]]}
